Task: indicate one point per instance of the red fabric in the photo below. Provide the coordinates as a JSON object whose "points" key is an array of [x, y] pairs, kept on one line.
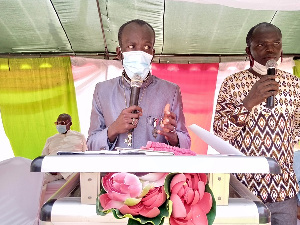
{"points": [[198, 84]]}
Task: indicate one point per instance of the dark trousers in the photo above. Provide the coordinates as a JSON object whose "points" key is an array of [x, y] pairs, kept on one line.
{"points": [[284, 213]]}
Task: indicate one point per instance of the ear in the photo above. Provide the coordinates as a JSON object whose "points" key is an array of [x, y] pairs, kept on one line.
{"points": [[119, 53], [250, 56], [247, 49], [153, 54]]}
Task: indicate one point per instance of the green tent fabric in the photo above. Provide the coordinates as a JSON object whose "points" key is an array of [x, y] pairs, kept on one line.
{"points": [[296, 68], [33, 92]]}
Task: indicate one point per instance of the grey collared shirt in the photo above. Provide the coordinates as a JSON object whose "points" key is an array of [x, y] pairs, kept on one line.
{"points": [[109, 101]]}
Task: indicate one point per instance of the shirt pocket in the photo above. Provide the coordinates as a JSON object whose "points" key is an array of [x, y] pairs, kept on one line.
{"points": [[154, 120]]}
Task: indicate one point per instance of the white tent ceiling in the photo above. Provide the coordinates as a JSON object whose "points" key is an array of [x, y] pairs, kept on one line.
{"points": [[193, 30]]}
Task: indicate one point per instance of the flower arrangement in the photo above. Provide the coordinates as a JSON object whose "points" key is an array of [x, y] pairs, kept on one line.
{"points": [[149, 198]]}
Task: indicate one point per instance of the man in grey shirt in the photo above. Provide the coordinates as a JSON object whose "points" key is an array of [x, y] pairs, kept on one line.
{"points": [[157, 117]]}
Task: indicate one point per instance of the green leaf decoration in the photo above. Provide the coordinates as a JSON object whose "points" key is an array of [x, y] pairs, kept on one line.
{"points": [[138, 220], [168, 179], [135, 222], [99, 208], [212, 213], [132, 201]]}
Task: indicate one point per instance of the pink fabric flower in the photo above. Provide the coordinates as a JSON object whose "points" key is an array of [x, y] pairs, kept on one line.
{"points": [[119, 188], [126, 193], [156, 179], [190, 201], [149, 205]]}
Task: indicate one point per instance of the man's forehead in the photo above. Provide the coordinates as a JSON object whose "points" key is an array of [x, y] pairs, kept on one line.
{"points": [[63, 118], [264, 32], [134, 25], [144, 29]]}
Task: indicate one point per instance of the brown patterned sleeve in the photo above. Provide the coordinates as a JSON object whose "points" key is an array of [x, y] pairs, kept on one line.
{"points": [[297, 113], [230, 115]]}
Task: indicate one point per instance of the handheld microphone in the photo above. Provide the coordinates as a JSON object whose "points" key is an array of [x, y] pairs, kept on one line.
{"points": [[271, 70], [134, 95], [135, 84]]}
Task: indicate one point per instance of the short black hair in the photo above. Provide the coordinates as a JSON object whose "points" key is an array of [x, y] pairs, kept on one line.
{"points": [[251, 31], [65, 115], [137, 21]]}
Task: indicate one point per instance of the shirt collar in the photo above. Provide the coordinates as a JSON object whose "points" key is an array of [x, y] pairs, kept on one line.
{"points": [[124, 82]]}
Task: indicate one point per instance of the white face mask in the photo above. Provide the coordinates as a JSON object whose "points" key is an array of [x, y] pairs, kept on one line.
{"points": [[61, 128], [137, 63], [261, 69]]}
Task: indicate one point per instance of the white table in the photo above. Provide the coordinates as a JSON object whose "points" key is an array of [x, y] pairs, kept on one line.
{"points": [[229, 211]]}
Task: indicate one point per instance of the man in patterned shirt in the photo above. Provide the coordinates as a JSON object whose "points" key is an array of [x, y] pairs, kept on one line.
{"points": [[243, 119]]}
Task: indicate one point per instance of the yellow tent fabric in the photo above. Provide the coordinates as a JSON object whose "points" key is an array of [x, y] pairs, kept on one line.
{"points": [[33, 92]]}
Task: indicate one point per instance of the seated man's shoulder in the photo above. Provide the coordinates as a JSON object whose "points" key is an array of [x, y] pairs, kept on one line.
{"points": [[53, 137], [76, 133]]}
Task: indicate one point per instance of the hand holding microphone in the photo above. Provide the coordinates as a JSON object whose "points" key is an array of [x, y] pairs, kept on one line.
{"points": [[264, 89]]}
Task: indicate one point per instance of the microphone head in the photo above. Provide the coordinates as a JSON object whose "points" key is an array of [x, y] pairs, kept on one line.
{"points": [[271, 63], [136, 81]]}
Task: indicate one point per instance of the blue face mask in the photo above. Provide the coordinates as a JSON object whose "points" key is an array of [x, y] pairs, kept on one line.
{"points": [[61, 128]]}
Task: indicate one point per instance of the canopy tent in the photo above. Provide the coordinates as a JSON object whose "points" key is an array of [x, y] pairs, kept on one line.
{"points": [[187, 31], [193, 28]]}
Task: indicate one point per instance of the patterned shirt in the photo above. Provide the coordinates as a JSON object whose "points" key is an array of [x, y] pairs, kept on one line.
{"points": [[262, 131]]}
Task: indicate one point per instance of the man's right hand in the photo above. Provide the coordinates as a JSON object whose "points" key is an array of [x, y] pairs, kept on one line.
{"points": [[261, 90], [126, 121]]}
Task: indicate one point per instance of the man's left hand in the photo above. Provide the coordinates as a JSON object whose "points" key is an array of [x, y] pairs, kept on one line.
{"points": [[168, 126]]}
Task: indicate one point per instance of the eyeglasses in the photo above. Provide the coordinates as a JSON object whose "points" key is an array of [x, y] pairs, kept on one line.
{"points": [[61, 123]]}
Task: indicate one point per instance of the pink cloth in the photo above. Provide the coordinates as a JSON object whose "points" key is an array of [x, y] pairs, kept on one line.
{"points": [[157, 146]]}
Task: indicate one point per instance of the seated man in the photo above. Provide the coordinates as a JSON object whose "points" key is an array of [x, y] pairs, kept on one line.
{"points": [[158, 114], [65, 140]]}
